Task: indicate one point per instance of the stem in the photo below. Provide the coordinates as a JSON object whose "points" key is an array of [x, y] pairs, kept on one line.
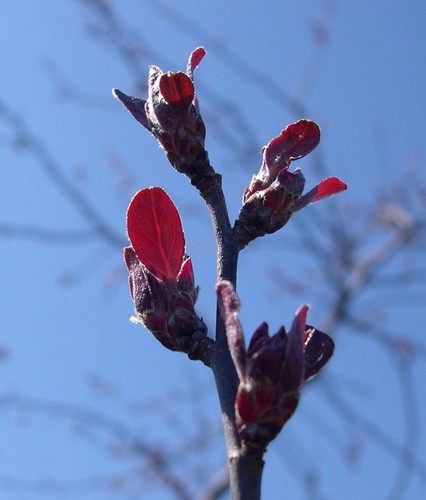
{"points": [[223, 366], [245, 465], [245, 475]]}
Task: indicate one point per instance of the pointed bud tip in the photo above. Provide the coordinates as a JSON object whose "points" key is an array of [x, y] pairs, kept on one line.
{"points": [[134, 105], [121, 96], [302, 312]]}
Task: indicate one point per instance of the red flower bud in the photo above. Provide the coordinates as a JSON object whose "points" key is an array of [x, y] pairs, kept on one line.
{"points": [[275, 193], [272, 370], [172, 114]]}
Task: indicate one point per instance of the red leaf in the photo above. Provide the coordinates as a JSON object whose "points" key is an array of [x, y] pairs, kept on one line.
{"points": [[295, 141], [195, 59], [155, 232], [177, 89], [329, 186]]}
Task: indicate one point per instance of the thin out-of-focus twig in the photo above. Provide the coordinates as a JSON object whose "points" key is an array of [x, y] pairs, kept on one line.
{"points": [[31, 142], [88, 418]]}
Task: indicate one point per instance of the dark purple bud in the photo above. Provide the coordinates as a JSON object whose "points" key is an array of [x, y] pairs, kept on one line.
{"points": [[272, 370]]}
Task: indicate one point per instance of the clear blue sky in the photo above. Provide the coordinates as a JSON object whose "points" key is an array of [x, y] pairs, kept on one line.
{"points": [[366, 90]]}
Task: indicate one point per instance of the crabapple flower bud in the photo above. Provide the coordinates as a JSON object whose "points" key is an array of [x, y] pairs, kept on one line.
{"points": [[272, 370], [161, 277], [275, 193], [171, 112]]}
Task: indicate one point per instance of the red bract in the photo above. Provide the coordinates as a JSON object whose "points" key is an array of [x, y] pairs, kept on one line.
{"points": [[155, 232], [275, 193], [272, 370]]}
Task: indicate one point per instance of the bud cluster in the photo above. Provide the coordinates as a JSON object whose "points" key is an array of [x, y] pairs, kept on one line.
{"points": [[171, 113], [272, 370], [275, 193], [161, 277]]}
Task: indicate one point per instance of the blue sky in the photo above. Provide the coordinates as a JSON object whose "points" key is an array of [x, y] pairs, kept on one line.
{"points": [[65, 308]]}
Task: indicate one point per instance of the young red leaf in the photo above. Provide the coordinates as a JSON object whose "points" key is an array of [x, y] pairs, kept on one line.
{"points": [[177, 89], [195, 59], [295, 141], [328, 187], [155, 232]]}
